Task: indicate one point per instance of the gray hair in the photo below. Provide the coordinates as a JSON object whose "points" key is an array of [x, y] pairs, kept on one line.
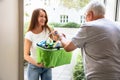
{"points": [[97, 7]]}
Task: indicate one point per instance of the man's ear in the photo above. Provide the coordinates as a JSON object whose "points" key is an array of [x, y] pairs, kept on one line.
{"points": [[91, 15]]}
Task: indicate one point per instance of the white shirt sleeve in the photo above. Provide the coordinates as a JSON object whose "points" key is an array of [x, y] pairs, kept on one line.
{"points": [[28, 36]]}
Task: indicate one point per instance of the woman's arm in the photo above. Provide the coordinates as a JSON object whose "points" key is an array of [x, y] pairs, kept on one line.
{"points": [[27, 45]]}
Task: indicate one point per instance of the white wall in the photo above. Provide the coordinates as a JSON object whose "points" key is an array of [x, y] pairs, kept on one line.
{"points": [[110, 9], [118, 11], [9, 40]]}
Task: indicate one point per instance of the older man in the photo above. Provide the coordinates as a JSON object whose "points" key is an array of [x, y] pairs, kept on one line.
{"points": [[99, 40]]}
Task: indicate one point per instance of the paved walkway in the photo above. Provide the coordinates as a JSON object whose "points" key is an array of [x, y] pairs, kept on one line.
{"points": [[65, 72]]}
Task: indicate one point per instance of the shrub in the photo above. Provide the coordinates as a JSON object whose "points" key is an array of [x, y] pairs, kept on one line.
{"points": [[26, 24], [78, 73], [66, 25], [71, 25], [56, 24]]}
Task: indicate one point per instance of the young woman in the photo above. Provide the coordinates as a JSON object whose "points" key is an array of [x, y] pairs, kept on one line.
{"points": [[38, 30]]}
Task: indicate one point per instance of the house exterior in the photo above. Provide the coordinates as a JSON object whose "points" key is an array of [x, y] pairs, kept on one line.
{"points": [[60, 14], [56, 12]]}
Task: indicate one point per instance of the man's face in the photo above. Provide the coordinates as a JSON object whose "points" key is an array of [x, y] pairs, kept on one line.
{"points": [[89, 16]]}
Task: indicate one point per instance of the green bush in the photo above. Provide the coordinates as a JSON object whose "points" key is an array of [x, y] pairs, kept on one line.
{"points": [[65, 25], [56, 24], [78, 73], [26, 24], [71, 25]]}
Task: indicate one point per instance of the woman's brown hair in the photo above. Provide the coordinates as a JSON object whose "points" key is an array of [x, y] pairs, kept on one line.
{"points": [[34, 20]]}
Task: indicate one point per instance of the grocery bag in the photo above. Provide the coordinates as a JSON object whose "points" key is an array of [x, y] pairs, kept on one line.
{"points": [[53, 57]]}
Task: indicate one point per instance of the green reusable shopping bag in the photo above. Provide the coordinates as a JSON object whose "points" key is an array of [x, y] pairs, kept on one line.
{"points": [[53, 57]]}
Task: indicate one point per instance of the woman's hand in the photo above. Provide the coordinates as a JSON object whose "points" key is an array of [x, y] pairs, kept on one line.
{"points": [[56, 35], [40, 65]]}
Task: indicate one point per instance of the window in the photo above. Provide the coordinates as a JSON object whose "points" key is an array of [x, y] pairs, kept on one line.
{"points": [[82, 18], [63, 18]]}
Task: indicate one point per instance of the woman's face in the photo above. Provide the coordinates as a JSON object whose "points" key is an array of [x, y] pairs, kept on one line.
{"points": [[41, 18]]}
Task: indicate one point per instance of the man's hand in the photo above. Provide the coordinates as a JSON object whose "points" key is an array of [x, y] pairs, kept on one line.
{"points": [[57, 35]]}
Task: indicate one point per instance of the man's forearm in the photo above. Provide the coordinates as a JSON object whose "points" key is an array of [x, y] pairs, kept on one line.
{"points": [[63, 40]]}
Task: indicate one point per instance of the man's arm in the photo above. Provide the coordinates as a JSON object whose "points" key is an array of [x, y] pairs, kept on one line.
{"points": [[67, 44]]}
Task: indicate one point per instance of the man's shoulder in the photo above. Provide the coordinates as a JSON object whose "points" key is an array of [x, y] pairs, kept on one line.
{"points": [[94, 23], [87, 24]]}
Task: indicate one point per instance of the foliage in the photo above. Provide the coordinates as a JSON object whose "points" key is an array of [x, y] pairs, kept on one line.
{"points": [[78, 73], [26, 14], [66, 25], [77, 4], [25, 63], [26, 4], [55, 24], [71, 25], [26, 24]]}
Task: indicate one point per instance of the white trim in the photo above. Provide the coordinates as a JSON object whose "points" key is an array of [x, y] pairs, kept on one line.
{"points": [[110, 9]]}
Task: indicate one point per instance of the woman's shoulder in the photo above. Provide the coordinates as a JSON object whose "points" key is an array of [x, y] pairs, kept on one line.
{"points": [[28, 33]]}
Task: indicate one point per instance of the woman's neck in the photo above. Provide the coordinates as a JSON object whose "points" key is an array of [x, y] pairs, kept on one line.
{"points": [[38, 29]]}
